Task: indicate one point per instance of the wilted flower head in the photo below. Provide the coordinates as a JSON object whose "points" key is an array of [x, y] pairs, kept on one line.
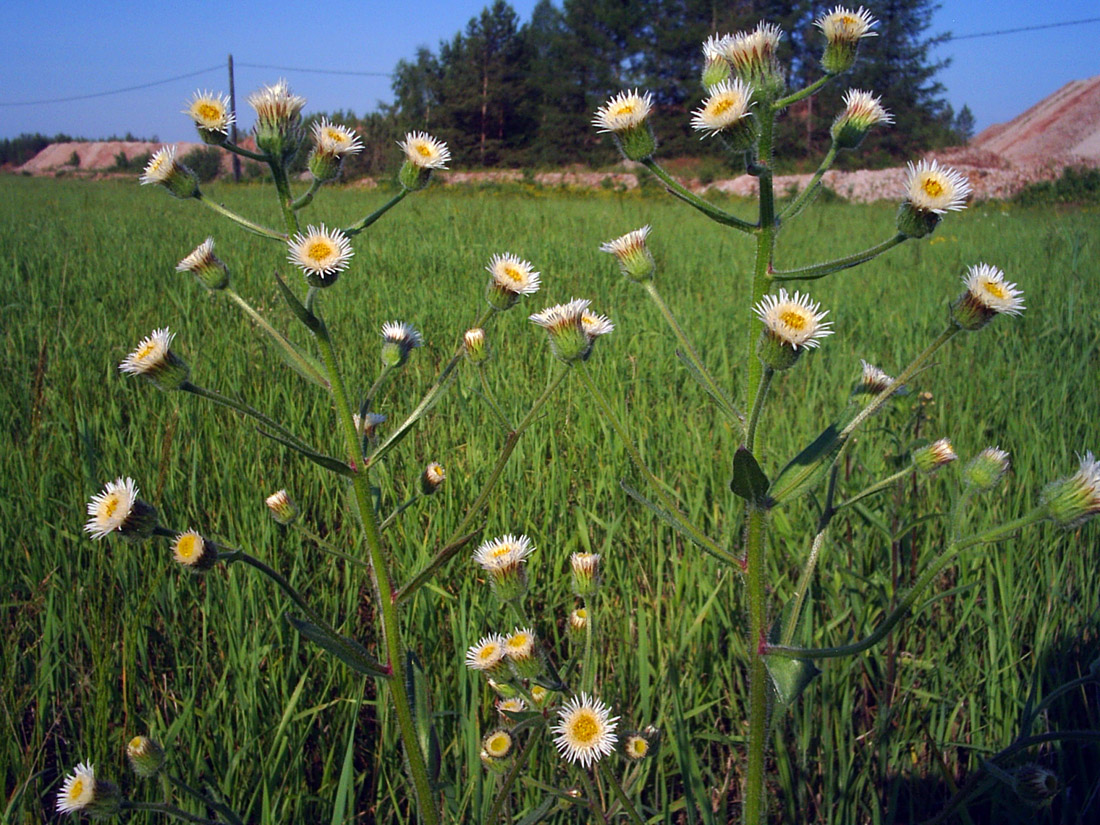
{"points": [[212, 116], [511, 277], [398, 340], [873, 381], [987, 295], [586, 730], [164, 169], [154, 360], [843, 29], [635, 259], [792, 324], [117, 509], [282, 507], [206, 266], [322, 254], [862, 110], [755, 60], [932, 456], [1072, 501], [487, 655], [82, 792], [985, 470], [726, 112], [146, 756], [1036, 785], [625, 116], [641, 744], [423, 153], [194, 552]]}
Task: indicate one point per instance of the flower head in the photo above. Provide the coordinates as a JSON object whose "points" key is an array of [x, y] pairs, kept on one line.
{"points": [[83, 792], [635, 259], [934, 188], [792, 324], [521, 651], [146, 756], [843, 29], [641, 744], [511, 277], [578, 623], [282, 507], [932, 456], [398, 340], [117, 509], [367, 425], [424, 151], [755, 60], [873, 381], [473, 344], [716, 67], [334, 139], [206, 266], [503, 559], [1072, 501], [322, 254], [1036, 785], [726, 112], [596, 325], [586, 573], [985, 470], [586, 730], [194, 552], [276, 104], [987, 295], [497, 744], [625, 116], [432, 478], [154, 360], [165, 170], [572, 328], [510, 705], [212, 116], [487, 655], [862, 110]]}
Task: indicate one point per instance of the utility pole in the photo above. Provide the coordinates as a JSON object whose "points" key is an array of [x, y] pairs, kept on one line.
{"points": [[233, 125]]}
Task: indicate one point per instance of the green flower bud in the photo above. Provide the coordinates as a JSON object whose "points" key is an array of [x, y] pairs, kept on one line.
{"points": [[278, 120], [635, 259], [586, 574], [933, 456], [843, 30], [862, 110], [211, 272], [282, 507], [146, 756], [398, 340], [473, 344], [165, 170], [1072, 501], [986, 469]]}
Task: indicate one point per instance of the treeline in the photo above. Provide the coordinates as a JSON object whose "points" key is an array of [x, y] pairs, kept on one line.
{"points": [[511, 94]]}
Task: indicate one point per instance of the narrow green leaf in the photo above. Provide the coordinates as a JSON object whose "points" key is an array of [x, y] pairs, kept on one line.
{"points": [[807, 469], [749, 481], [347, 774], [348, 651], [671, 519], [429, 401], [311, 321], [417, 686], [328, 462], [539, 812], [724, 403]]}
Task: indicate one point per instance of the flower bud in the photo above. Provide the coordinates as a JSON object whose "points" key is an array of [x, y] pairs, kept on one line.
{"points": [[931, 457], [586, 573], [206, 266], [194, 552], [146, 756], [1036, 785], [862, 110], [522, 652], [278, 120], [985, 470], [578, 624], [282, 507], [164, 169], [473, 344], [324, 166], [432, 478], [398, 340], [1072, 501], [873, 382], [843, 30], [572, 329], [118, 510], [716, 68], [540, 695], [753, 56], [635, 259]]}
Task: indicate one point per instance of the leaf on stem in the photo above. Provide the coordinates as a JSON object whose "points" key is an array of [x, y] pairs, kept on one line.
{"points": [[348, 651], [312, 322], [749, 481], [807, 469], [417, 687], [724, 403], [789, 677], [334, 465]]}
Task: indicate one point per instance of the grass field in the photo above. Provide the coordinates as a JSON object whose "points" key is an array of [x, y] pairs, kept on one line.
{"points": [[103, 640]]}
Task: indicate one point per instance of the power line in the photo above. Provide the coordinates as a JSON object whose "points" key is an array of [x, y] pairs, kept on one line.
{"points": [[116, 91], [315, 71], [1024, 29]]}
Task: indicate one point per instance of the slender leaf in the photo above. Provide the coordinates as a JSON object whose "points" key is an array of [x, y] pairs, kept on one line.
{"points": [[348, 651]]}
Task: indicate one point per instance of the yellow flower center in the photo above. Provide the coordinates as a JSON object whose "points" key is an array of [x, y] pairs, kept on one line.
{"points": [[639, 747], [720, 107], [108, 506], [585, 728], [513, 273], [76, 789], [498, 745], [144, 351], [624, 109], [518, 642], [208, 111], [487, 652], [582, 613], [424, 150], [187, 547], [319, 251], [995, 289], [932, 187], [335, 134], [793, 319], [503, 550]]}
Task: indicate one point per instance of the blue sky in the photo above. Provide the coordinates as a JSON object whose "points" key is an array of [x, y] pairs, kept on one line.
{"points": [[61, 48]]}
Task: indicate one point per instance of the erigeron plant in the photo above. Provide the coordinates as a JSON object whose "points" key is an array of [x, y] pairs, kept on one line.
{"points": [[745, 88]]}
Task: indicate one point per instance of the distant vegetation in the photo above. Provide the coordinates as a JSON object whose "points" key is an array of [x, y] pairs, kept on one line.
{"points": [[1077, 185], [18, 150]]}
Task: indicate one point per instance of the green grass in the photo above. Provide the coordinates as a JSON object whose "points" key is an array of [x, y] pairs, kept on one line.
{"points": [[101, 641]]}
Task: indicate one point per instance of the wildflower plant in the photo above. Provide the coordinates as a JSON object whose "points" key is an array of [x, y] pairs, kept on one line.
{"points": [[744, 90]]}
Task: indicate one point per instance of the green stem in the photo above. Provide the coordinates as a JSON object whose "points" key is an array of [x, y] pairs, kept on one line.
{"points": [[243, 408], [784, 102], [386, 603], [244, 153], [224, 810], [304, 364], [512, 775], [802, 588], [588, 668], [754, 791], [358, 227], [458, 539], [228, 556], [170, 810], [327, 547], [286, 200], [593, 798], [796, 206], [758, 408], [639, 462], [876, 487], [689, 351], [306, 198], [674, 187], [387, 370], [245, 222], [620, 794], [812, 273], [401, 508], [490, 399]]}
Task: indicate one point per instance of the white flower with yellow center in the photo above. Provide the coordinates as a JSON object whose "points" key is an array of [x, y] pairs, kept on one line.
{"points": [[934, 188], [334, 139], [843, 25], [487, 654], [210, 112], [520, 644], [502, 553], [424, 151], [793, 319], [636, 746], [596, 325], [276, 105], [513, 274], [727, 107], [322, 254], [110, 508], [513, 704], [162, 166], [864, 110], [586, 730], [151, 354], [497, 744], [989, 288], [626, 110], [716, 46], [78, 792], [194, 552]]}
